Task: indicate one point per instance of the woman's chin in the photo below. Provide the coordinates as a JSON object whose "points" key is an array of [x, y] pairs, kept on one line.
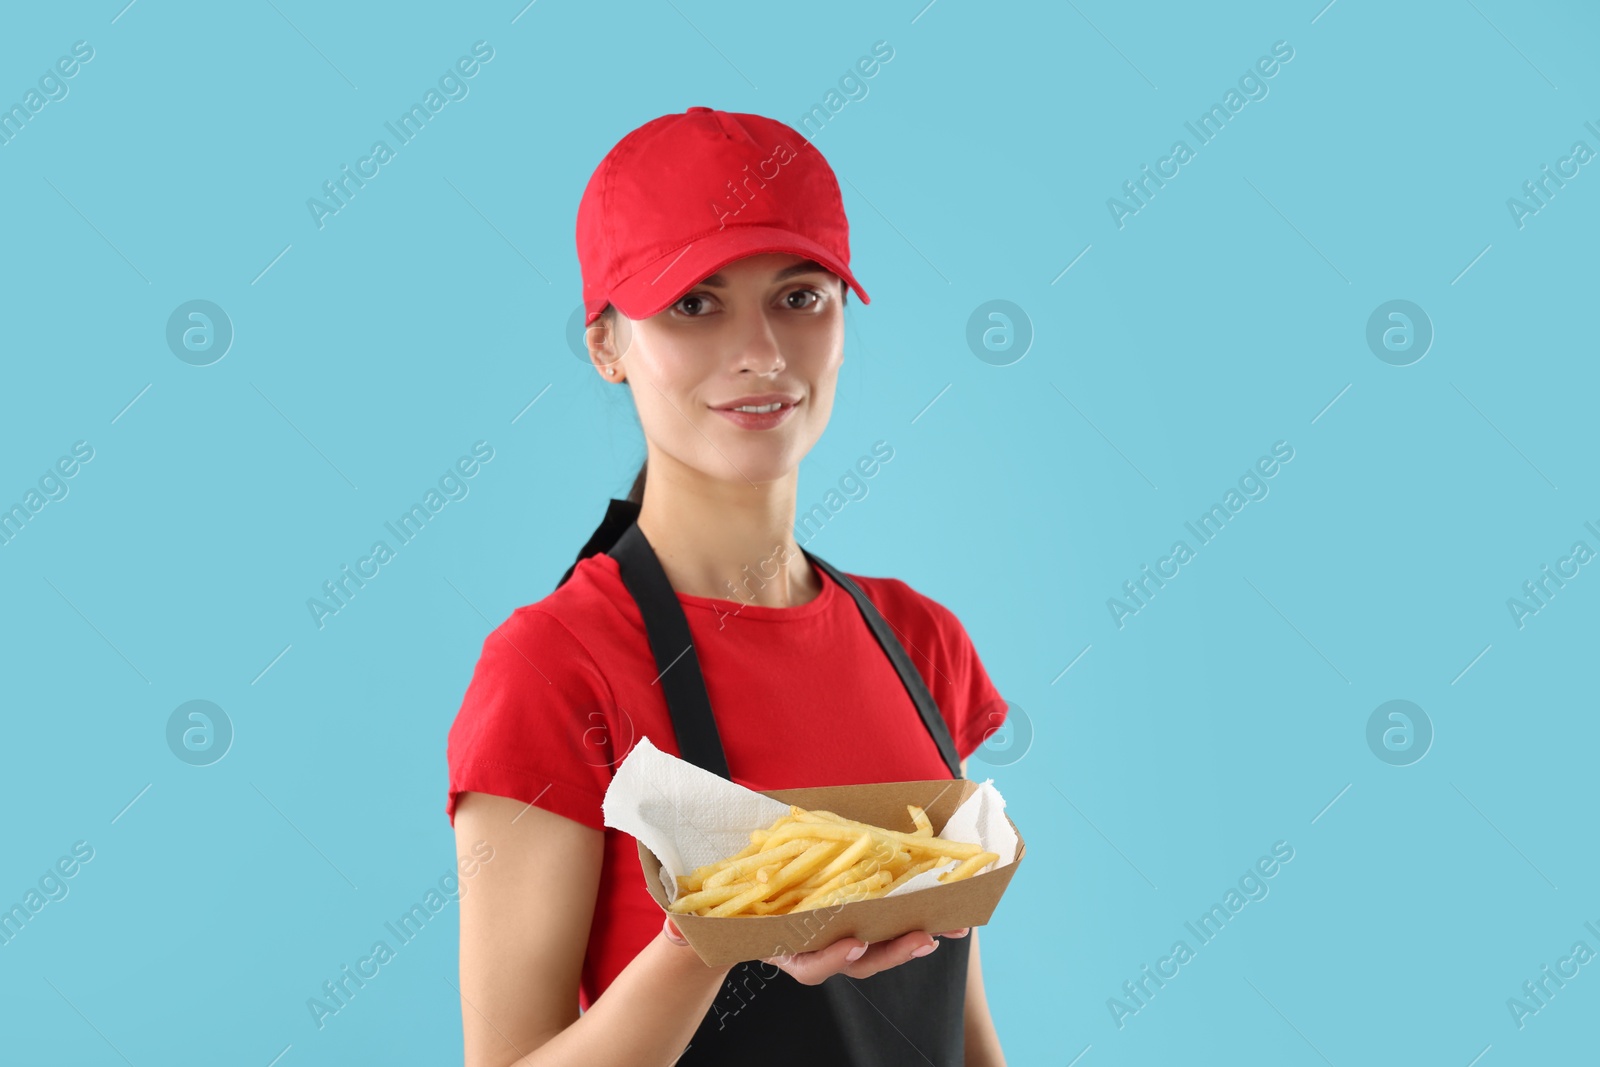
{"points": [[757, 468]]}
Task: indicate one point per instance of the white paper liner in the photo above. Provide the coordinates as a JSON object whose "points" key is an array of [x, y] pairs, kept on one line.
{"points": [[690, 817]]}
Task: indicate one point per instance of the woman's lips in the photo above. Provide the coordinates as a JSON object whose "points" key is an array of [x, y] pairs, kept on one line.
{"points": [[749, 420]]}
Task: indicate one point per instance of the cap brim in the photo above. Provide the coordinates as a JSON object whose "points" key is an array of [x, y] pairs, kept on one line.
{"points": [[660, 284]]}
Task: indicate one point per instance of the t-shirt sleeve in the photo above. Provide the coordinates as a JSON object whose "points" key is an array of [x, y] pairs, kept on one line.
{"points": [[537, 722], [986, 709], [971, 704]]}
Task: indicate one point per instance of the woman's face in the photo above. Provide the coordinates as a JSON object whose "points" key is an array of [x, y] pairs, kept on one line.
{"points": [[766, 325]]}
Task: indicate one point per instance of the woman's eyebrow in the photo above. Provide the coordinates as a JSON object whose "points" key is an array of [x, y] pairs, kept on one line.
{"points": [[717, 281]]}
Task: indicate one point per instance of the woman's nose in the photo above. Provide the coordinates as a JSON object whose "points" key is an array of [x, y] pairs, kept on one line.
{"points": [[759, 350]]}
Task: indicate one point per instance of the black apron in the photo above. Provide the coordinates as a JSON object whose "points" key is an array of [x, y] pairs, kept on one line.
{"points": [[911, 1014]]}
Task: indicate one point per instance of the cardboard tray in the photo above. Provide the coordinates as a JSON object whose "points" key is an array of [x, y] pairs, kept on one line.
{"points": [[969, 902]]}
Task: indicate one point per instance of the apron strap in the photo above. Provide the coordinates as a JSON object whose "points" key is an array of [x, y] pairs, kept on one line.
{"points": [[909, 675], [682, 683], [620, 514]]}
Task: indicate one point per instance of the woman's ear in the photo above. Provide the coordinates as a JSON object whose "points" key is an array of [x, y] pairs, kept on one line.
{"points": [[606, 340]]}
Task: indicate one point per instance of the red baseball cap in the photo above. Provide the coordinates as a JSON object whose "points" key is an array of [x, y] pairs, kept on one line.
{"points": [[686, 194]]}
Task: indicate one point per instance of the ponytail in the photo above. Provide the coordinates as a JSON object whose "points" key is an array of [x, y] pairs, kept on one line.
{"points": [[636, 494]]}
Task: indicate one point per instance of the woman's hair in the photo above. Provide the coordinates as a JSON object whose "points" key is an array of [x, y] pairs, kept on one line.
{"points": [[609, 315]]}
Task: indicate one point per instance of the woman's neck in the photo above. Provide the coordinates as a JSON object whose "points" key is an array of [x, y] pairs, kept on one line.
{"points": [[728, 540]]}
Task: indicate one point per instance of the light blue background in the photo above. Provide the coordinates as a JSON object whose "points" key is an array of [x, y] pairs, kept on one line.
{"points": [[1227, 315]]}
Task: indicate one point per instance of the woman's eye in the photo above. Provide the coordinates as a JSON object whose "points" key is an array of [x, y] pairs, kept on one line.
{"points": [[695, 305], [691, 305]]}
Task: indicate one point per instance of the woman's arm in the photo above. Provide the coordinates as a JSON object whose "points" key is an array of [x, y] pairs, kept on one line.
{"points": [[525, 922], [983, 1041], [524, 928]]}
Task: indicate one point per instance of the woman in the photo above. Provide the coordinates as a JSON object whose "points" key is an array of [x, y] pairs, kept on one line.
{"points": [[693, 594]]}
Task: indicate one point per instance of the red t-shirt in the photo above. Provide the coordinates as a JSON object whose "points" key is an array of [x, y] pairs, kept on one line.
{"points": [[803, 696]]}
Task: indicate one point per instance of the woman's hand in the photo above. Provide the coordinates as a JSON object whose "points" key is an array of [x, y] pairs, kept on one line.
{"points": [[848, 955], [856, 958]]}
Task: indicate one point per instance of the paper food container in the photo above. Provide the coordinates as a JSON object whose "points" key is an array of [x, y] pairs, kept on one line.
{"points": [[694, 818]]}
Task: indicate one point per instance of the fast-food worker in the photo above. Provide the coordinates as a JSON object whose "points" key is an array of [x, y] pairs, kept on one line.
{"points": [[715, 257]]}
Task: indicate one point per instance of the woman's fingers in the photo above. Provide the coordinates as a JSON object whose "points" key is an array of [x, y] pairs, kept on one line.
{"points": [[885, 954], [955, 933], [854, 957], [811, 968]]}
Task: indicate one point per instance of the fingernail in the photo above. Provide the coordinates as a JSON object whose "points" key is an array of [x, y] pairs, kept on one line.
{"points": [[925, 949], [856, 953]]}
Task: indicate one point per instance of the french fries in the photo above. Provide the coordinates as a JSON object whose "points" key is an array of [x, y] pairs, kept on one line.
{"points": [[814, 859]]}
